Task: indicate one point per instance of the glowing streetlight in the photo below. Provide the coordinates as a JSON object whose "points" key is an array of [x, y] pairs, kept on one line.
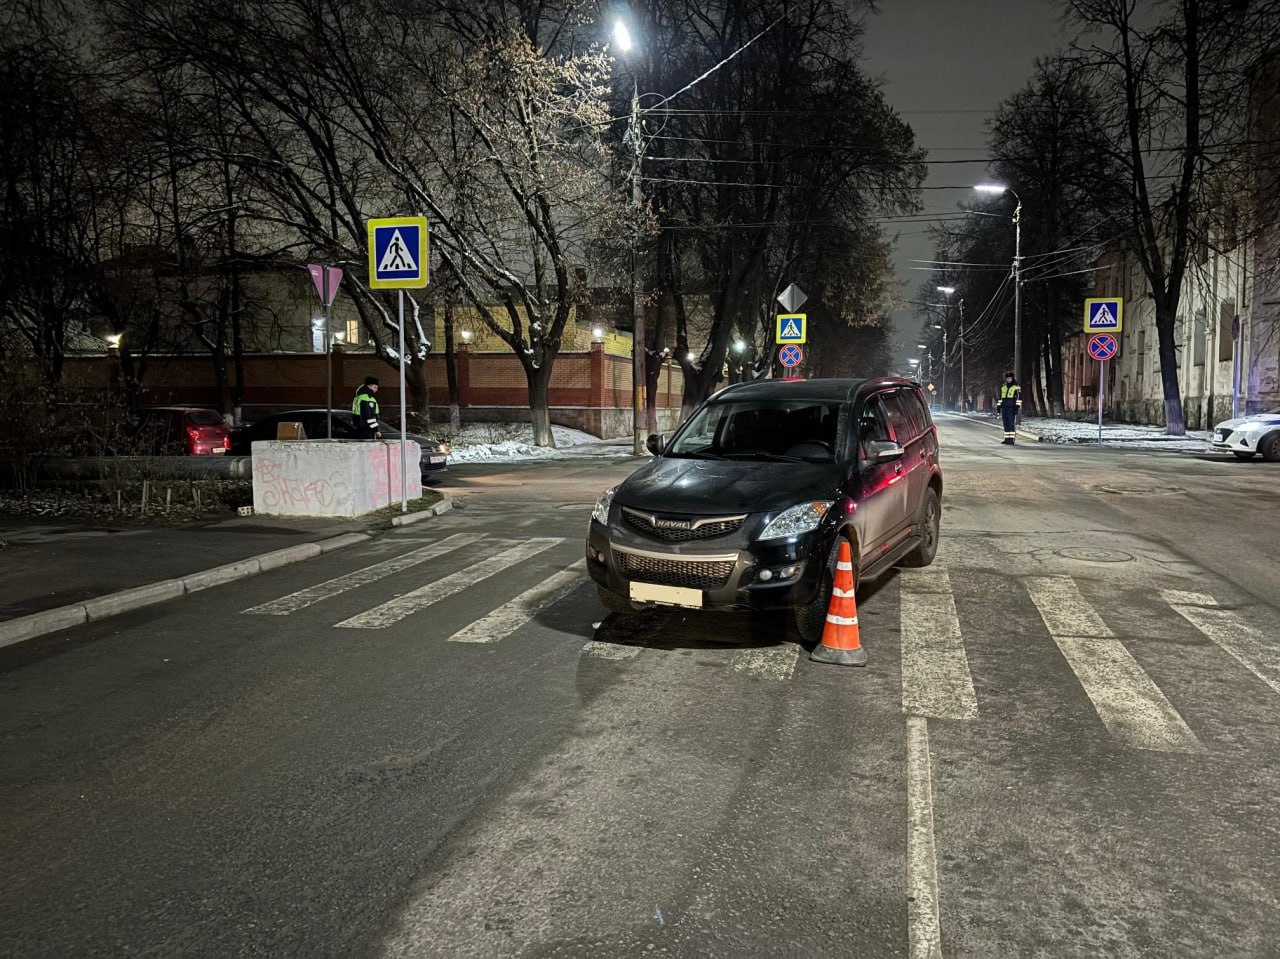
{"points": [[622, 37]]}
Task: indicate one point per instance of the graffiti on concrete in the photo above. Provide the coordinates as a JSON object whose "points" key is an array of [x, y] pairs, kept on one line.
{"points": [[281, 490]]}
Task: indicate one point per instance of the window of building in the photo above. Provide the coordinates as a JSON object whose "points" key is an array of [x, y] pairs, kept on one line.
{"points": [[1226, 343]]}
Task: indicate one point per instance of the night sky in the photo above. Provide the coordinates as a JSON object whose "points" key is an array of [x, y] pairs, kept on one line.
{"points": [[946, 65]]}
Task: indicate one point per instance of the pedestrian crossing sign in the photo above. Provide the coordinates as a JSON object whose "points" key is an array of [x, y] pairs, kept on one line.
{"points": [[1103, 314], [398, 253], [792, 328]]}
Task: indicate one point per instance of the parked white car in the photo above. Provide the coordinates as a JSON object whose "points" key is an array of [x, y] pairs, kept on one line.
{"points": [[1248, 435]]}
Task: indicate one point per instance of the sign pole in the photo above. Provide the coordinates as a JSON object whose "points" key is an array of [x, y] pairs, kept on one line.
{"points": [[404, 420], [328, 360], [1102, 380]]}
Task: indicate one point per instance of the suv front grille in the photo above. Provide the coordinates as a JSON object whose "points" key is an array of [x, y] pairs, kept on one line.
{"points": [[693, 573], [673, 529]]}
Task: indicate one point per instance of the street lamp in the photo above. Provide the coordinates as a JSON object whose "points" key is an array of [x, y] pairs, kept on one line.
{"points": [[1001, 189], [639, 426]]}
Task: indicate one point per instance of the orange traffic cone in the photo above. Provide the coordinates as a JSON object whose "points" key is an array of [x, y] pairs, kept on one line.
{"points": [[841, 643]]}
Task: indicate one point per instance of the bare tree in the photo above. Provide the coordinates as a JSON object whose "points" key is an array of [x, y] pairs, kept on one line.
{"points": [[1175, 71]]}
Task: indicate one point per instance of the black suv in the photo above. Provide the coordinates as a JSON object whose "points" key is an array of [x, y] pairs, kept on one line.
{"points": [[746, 505]]}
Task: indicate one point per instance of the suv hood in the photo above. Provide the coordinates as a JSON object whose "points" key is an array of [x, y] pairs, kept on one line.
{"points": [[711, 487]]}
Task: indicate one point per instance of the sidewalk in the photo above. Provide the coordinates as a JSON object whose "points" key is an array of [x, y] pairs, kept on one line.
{"points": [[1114, 435], [57, 574]]}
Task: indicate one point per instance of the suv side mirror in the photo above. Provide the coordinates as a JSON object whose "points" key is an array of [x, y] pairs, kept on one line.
{"points": [[884, 451], [654, 444]]}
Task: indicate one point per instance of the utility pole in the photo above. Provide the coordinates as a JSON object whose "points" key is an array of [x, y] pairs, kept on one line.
{"points": [[1017, 293], [638, 339], [964, 396]]}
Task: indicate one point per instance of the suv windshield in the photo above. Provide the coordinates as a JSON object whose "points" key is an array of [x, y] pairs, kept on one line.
{"points": [[800, 430]]}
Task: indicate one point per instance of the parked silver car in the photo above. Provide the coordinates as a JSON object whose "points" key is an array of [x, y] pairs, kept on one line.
{"points": [[1249, 435]]}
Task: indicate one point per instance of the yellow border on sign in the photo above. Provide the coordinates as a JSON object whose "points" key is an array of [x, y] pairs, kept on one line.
{"points": [[415, 283], [1118, 301], [804, 328]]}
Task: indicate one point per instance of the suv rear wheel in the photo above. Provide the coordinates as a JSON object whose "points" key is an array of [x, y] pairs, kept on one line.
{"points": [[928, 522]]}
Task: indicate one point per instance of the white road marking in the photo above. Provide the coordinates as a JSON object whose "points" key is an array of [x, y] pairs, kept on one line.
{"points": [[510, 616], [361, 577], [935, 670], [924, 927], [599, 650], [394, 610], [1237, 638], [1128, 702], [767, 662]]}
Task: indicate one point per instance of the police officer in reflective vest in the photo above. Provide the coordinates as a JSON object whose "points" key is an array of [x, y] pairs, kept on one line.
{"points": [[366, 410], [1010, 403]]}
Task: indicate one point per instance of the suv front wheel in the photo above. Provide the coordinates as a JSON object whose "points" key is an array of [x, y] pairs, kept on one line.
{"points": [[811, 618]]}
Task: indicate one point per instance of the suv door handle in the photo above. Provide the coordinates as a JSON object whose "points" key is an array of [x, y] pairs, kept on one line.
{"points": [[897, 467]]}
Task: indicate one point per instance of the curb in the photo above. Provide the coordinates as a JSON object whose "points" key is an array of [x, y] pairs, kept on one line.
{"points": [[13, 631], [408, 519]]}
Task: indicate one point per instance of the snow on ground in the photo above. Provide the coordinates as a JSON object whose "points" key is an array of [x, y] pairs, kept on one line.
{"points": [[1118, 435], [513, 443]]}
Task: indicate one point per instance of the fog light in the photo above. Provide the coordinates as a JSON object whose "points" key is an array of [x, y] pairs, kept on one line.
{"points": [[765, 575], [596, 555], [787, 572]]}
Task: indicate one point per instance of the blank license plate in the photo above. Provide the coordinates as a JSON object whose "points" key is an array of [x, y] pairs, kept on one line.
{"points": [[435, 459], [666, 595]]}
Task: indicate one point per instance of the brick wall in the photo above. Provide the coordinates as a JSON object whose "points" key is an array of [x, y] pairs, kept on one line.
{"points": [[592, 387]]}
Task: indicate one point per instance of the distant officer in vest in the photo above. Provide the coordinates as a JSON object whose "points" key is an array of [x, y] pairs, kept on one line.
{"points": [[1010, 403], [366, 410]]}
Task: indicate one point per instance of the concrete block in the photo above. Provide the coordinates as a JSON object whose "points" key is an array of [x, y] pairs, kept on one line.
{"points": [[343, 541], [113, 604], [323, 478], [221, 574], [37, 624], [290, 554], [443, 506]]}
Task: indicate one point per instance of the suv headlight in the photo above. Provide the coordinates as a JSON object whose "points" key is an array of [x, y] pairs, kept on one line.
{"points": [[803, 518], [600, 512]]}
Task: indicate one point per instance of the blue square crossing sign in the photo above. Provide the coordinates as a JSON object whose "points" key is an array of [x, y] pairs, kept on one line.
{"points": [[398, 253], [791, 328], [1104, 314]]}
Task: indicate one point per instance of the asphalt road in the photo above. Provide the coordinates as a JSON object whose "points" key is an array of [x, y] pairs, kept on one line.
{"points": [[1066, 742]]}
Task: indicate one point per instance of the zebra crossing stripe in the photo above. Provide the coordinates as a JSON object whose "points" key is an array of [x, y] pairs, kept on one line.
{"points": [[924, 927], [1228, 630], [361, 577], [598, 650], [1128, 702], [935, 669], [392, 611], [510, 616], [767, 662]]}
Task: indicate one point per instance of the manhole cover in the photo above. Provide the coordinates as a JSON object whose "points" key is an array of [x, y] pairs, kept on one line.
{"points": [[1143, 490], [1086, 554]]}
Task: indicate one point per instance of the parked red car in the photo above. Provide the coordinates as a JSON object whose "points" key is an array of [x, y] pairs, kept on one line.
{"points": [[177, 431]]}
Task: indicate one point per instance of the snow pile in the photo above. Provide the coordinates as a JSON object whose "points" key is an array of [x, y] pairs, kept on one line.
{"points": [[513, 443], [1120, 435]]}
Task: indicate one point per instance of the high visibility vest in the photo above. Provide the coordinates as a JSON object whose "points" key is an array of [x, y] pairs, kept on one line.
{"points": [[1011, 391], [363, 397]]}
